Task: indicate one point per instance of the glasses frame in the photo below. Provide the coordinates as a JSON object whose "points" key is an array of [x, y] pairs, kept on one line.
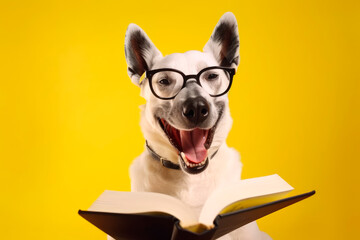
{"points": [[150, 74]]}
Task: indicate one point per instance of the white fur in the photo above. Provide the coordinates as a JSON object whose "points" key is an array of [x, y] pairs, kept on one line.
{"points": [[224, 169]]}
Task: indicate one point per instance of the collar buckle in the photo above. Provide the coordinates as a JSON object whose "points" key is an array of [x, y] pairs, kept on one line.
{"points": [[162, 161]]}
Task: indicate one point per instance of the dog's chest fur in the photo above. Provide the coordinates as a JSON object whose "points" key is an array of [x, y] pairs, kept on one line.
{"points": [[147, 174]]}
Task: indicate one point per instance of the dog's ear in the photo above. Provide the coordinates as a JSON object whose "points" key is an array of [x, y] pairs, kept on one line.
{"points": [[140, 52], [224, 42]]}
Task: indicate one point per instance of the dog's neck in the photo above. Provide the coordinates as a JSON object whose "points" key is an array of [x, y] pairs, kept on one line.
{"points": [[148, 175]]}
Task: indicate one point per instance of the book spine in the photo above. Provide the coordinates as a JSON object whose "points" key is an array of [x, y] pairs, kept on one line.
{"points": [[180, 233]]}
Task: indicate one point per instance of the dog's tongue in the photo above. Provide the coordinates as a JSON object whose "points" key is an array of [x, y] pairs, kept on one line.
{"points": [[192, 143]]}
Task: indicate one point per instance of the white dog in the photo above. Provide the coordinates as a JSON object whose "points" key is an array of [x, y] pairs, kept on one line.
{"points": [[186, 118]]}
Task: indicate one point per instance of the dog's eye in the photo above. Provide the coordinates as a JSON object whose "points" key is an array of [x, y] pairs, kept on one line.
{"points": [[164, 82], [212, 76]]}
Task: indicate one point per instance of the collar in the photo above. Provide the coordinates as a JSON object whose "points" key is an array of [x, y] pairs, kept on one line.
{"points": [[166, 163]]}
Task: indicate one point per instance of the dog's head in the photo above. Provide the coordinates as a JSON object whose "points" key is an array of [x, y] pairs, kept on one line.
{"points": [[186, 116]]}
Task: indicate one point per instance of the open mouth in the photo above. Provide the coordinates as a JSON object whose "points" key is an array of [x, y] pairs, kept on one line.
{"points": [[192, 145]]}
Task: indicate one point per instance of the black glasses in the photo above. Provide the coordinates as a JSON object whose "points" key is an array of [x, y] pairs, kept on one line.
{"points": [[166, 83]]}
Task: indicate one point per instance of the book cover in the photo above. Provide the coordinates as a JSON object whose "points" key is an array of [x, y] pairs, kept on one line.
{"points": [[155, 225]]}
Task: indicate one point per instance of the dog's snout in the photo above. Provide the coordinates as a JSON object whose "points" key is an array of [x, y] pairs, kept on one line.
{"points": [[196, 109]]}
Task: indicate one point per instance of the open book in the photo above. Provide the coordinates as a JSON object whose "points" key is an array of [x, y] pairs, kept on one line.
{"points": [[246, 200]]}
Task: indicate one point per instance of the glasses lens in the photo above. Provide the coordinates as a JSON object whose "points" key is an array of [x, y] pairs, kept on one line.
{"points": [[166, 84], [215, 81]]}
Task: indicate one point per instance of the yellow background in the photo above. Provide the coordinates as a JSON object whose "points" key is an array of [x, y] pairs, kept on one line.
{"points": [[69, 116]]}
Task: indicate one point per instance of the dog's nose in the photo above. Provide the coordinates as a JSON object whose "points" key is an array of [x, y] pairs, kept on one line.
{"points": [[196, 109]]}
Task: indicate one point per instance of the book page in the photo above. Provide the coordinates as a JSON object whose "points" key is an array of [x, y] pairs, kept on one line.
{"points": [[143, 202], [243, 194]]}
